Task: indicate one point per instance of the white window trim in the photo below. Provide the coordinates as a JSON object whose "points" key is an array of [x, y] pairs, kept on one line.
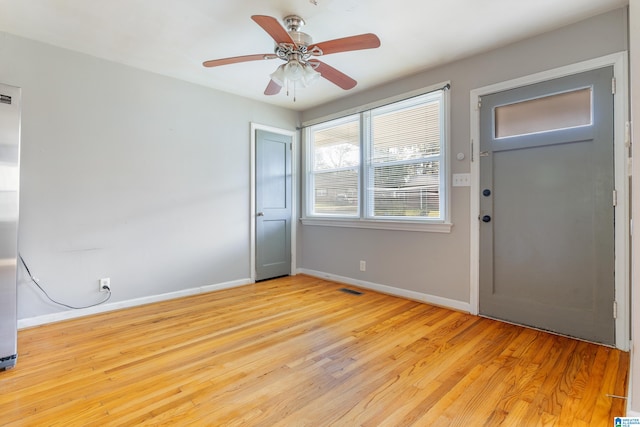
{"points": [[404, 225], [443, 225]]}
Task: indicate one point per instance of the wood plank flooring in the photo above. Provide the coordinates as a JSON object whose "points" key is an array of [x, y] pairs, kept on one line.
{"points": [[296, 351]]}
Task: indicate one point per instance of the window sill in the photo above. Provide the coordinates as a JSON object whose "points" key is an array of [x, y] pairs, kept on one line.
{"points": [[441, 227]]}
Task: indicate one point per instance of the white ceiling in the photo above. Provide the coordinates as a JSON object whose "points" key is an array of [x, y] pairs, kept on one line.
{"points": [[174, 37]]}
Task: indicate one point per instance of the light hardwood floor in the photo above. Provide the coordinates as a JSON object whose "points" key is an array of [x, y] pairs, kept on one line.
{"points": [[297, 351]]}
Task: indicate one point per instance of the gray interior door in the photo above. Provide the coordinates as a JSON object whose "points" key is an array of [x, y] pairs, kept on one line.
{"points": [[273, 205], [546, 206]]}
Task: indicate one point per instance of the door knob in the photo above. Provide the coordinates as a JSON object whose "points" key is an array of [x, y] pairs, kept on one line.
{"points": [[486, 192], [260, 214], [486, 218]]}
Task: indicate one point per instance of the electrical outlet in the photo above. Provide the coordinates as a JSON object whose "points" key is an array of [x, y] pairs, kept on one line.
{"points": [[105, 284], [363, 265]]}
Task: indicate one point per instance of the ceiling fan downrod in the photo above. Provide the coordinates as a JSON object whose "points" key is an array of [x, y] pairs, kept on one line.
{"points": [[297, 51]]}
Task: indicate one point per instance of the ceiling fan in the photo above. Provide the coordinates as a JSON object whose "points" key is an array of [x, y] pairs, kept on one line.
{"points": [[299, 53]]}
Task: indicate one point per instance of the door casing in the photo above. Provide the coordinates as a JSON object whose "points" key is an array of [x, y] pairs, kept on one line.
{"points": [[621, 179], [294, 192]]}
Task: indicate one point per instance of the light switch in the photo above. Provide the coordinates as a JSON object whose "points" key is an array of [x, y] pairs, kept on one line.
{"points": [[461, 180]]}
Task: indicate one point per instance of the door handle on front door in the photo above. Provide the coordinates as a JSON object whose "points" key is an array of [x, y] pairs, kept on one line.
{"points": [[486, 218], [260, 214]]}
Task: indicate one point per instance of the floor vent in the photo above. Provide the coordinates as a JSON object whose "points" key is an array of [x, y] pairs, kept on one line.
{"points": [[350, 291]]}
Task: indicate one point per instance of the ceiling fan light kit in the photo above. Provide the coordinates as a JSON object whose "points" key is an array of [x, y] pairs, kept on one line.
{"points": [[295, 71], [299, 52]]}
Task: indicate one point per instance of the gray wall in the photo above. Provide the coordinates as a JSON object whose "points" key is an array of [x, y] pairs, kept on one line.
{"points": [[128, 175], [431, 263], [145, 179]]}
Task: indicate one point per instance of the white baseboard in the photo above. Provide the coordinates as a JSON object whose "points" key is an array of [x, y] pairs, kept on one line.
{"points": [[72, 314], [418, 296]]}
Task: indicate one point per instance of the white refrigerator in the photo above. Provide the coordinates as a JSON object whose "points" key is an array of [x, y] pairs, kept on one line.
{"points": [[10, 111]]}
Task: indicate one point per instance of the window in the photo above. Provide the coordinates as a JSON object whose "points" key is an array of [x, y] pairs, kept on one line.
{"points": [[553, 112], [384, 164], [335, 167]]}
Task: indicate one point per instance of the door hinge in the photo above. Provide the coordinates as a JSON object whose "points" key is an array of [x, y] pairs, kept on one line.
{"points": [[615, 198], [627, 135], [472, 151], [615, 309], [479, 102], [613, 86]]}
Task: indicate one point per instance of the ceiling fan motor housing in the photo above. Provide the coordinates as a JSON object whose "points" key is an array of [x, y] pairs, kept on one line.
{"points": [[300, 38], [293, 24]]}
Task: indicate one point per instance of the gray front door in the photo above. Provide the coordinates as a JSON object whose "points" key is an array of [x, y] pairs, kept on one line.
{"points": [[273, 205], [546, 206]]}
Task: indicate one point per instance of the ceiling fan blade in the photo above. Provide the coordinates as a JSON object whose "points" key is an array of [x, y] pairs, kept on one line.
{"points": [[273, 28], [334, 76], [363, 41], [236, 59], [273, 88]]}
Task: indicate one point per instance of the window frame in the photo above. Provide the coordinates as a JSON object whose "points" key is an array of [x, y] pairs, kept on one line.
{"points": [[310, 170], [362, 219]]}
